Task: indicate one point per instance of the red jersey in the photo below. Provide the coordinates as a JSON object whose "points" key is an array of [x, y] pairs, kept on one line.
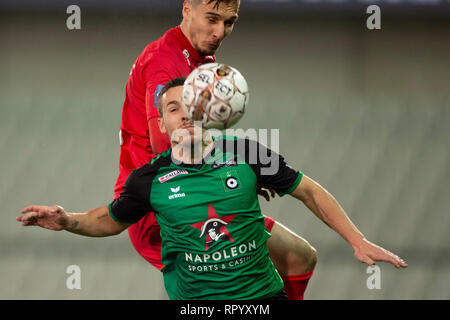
{"points": [[169, 57]]}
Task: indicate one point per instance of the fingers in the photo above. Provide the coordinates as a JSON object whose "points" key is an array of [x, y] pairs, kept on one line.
{"points": [[365, 259], [382, 255], [35, 208], [43, 209], [395, 260], [368, 253], [272, 192], [30, 209], [265, 193], [33, 214], [29, 220], [403, 263], [389, 257]]}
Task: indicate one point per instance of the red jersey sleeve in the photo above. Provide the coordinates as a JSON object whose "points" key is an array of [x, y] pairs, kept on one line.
{"points": [[156, 74]]}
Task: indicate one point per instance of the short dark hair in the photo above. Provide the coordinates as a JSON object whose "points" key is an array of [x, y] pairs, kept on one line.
{"points": [[217, 2], [176, 82]]}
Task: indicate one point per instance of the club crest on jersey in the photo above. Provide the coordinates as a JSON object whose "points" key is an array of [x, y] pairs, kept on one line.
{"points": [[230, 180], [171, 175], [215, 227]]}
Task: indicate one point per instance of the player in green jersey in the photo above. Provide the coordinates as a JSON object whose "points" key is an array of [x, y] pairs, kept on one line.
{"points": [[203, 192]]}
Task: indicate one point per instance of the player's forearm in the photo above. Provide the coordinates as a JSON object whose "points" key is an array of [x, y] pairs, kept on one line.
{"points": [[93, 223], [327, 208]]}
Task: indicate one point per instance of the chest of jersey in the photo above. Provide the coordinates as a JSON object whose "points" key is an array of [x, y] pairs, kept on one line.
{"points": [[183, 195]]}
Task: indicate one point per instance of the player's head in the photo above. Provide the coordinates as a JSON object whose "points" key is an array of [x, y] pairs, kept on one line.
{"points": [[163, 97], [207, 22], [172, 114]]}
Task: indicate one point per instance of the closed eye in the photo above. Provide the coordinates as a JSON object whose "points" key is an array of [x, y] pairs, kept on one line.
{"points": [[173, 106], [214, 18]]}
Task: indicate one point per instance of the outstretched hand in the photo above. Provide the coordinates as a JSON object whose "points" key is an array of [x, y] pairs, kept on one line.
{"points": [[53, 218], [367, 252]]}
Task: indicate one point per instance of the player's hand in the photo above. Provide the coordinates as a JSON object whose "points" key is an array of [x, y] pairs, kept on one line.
{"points": [[53, 218], [265, 192], [367, 252]]}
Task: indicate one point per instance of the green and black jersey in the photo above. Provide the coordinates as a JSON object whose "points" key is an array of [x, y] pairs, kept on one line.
{"points": [[212, 230]]}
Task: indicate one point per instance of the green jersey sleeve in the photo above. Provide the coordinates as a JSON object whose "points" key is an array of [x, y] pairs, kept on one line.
{"points": [[271, 169], [134, 201]]}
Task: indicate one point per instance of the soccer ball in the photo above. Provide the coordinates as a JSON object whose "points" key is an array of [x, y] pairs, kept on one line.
{"points": [[216, 95]]}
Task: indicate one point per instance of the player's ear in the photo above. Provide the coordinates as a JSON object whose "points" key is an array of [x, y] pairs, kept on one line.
{"points": [[187, 9], [161, 125]]}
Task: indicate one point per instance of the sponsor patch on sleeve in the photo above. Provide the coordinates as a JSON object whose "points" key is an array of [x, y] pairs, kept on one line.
{"points": [[157, 91], [171, 175]]}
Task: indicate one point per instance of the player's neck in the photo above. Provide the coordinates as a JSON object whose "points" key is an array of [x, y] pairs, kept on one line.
{"points": [[192, 152], [184, 30]]}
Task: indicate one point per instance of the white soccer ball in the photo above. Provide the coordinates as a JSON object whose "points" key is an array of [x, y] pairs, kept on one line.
{"points": [[216, 95]]}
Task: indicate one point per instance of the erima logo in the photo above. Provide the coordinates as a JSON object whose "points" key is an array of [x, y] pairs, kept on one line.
{"points": [[176, 195]]}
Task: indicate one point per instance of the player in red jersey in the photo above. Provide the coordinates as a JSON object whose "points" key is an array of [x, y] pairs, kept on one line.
{"points": [[205, 24]]}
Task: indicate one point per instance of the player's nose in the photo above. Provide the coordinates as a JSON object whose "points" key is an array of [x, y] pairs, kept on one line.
{"points": [[184, 118], [219, 32]]}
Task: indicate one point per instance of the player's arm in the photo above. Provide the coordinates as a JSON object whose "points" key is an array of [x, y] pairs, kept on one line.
{"points": [[158, 140], [156, 75], [327, 208], [92, 223], [273, 172], [129, 208]]}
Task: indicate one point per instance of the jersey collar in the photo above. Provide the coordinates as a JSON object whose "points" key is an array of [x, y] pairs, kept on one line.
{"points": [[197, 166]]}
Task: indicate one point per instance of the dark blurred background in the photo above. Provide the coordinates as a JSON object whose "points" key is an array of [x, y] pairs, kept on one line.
{"points": [[365, 113]]}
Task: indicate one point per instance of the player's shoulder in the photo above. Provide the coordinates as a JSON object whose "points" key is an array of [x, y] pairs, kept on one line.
{"points": [[229, 140], [157, 52], [248, 149], [227, 137], [234, 144], [150, 169], [160, 51]]}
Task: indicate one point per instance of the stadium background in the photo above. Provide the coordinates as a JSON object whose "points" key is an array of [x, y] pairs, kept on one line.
{"points": [[365, 113]]}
